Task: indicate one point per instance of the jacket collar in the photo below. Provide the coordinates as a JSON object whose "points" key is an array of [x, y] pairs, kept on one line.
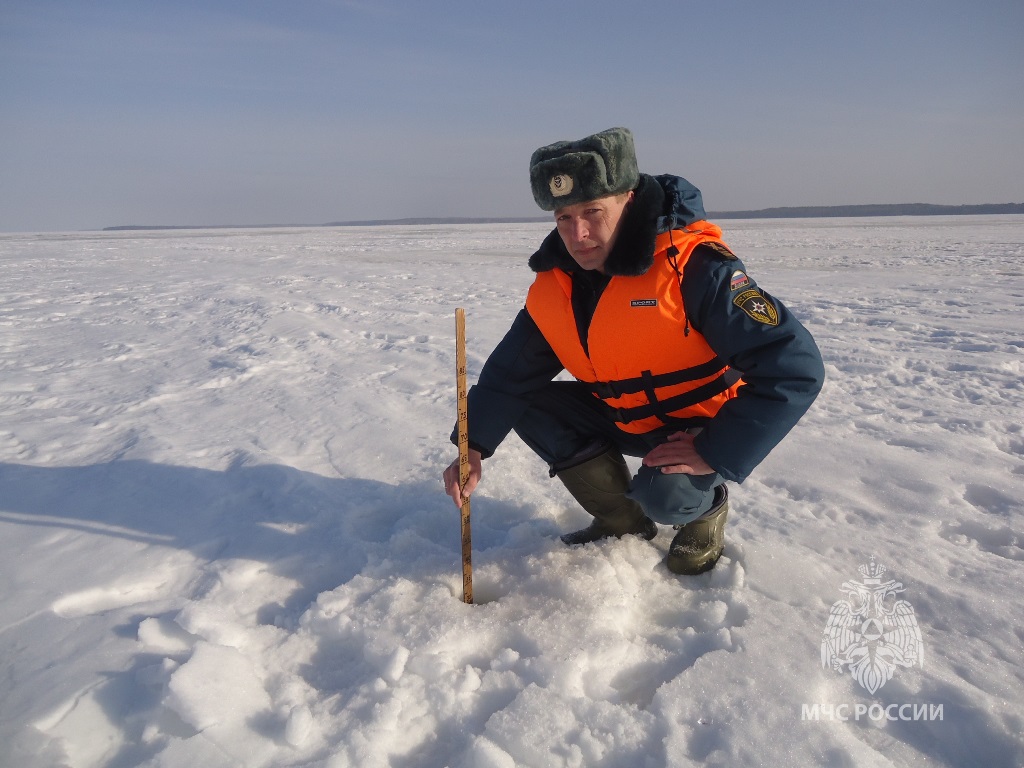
{"points": [[659, 204]]}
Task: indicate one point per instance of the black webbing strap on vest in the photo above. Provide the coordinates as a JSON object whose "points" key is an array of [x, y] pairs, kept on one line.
{"points": [[662, 408], [609, 389]]}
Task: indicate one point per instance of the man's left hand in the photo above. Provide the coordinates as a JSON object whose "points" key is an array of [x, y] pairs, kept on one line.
{"points": [[678, 456]]}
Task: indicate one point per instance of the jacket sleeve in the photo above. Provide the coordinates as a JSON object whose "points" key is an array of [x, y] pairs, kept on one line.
{"points": [[759, 337], [522, 363]]}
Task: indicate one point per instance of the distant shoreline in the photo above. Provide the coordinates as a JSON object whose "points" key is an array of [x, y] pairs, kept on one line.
{"points": [[792, 212]]}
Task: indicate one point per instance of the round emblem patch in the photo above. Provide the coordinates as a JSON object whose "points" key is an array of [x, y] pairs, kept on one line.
{"points": [[560, 185], [758, 306]]}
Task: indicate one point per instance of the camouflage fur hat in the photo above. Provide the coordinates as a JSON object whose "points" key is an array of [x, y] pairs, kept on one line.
{"points": [[570, 172]]}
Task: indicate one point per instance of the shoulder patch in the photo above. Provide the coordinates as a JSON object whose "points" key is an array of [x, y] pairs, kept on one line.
{"points": [[739, 280], [720, 247], [758, 306]]}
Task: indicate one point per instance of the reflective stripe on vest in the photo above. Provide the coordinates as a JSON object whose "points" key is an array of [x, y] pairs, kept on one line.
{"points": [[644, 361]]}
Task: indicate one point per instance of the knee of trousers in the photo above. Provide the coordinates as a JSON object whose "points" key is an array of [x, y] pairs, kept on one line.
{"points": [[672, 499]]}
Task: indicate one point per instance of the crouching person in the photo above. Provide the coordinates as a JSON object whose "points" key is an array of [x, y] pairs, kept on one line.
{"points": [[679, 357]]}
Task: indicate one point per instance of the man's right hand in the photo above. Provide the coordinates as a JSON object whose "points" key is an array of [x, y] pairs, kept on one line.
{"points": [[678, 456], [451, 478]]}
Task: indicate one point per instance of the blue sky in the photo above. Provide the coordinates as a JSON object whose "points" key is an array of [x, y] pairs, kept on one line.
{"points": [[185, 112]]}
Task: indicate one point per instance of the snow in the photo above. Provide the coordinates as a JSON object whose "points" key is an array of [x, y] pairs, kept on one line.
{"points": [[224, 540]]}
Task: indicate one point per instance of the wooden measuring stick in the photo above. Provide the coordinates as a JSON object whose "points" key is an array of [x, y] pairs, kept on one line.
{"points": [[460, 364]]}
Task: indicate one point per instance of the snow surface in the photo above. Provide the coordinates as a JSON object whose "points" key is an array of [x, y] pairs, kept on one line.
{"points": [[224, 540]]}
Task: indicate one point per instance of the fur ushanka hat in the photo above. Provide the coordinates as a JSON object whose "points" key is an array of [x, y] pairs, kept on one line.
{"points": [[570, 172]]}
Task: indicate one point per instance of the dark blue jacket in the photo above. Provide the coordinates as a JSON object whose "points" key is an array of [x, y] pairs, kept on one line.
{"points": [[781, 365]]}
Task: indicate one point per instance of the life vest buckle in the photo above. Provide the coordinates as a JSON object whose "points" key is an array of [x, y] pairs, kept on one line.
{"points": [[606, 390], [621, 415]]}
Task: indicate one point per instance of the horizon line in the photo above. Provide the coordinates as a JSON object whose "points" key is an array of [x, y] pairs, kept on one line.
{"points": [[809, 211]]}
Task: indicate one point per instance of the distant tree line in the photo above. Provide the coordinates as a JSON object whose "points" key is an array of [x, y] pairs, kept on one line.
{"points": [[896, 209], [792, 212]]}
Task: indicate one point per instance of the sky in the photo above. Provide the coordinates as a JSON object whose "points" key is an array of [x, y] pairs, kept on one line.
{"points": [[149, 112]]}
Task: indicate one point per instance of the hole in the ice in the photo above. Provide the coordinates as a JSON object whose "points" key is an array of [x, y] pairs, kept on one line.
{"points": [[484, 591]]}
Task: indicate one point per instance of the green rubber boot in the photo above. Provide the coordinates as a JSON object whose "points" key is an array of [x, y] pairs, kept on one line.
{"points": [[599, 485], [698, 545]]}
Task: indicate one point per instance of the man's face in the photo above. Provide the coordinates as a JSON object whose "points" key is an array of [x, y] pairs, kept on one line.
{"points": [[589, 230]]}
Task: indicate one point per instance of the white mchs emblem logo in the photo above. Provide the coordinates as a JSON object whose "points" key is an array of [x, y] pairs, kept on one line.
{"points": [[561, 185], [871, 634]]}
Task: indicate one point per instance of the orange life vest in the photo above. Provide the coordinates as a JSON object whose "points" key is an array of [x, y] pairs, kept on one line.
{"points": [[645, 361]]}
